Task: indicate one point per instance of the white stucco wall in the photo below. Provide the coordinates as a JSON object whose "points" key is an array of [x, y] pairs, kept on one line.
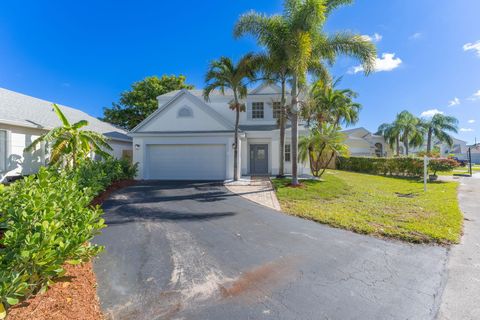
{"points": [[168, 119]]}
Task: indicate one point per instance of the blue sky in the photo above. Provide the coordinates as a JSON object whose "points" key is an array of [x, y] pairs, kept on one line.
{"points": [[84, 53]]}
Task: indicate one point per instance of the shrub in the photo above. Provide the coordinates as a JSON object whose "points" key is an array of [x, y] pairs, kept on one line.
{"points": [[442, 164], [404, 166], [48, 221]]}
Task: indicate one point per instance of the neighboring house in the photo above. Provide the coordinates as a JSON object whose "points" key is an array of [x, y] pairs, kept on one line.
{"points": [[363, 143], [24, 118], [187, 138]]}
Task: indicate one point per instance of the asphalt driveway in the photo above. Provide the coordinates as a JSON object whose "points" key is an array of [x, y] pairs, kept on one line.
{"points": [[197, 251]]}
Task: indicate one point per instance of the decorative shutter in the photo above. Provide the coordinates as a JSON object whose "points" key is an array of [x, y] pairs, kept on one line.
{"points": [[249, 111]]}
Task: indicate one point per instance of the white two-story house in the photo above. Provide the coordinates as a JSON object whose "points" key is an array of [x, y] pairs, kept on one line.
{"points": [[189, 138]]}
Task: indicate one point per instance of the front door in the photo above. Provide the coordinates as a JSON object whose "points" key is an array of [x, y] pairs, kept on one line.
{"points": [[259, 158]]}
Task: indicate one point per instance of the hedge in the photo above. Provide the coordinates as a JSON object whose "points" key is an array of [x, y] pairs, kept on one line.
{"points": [[402, 166], [48, 221]]}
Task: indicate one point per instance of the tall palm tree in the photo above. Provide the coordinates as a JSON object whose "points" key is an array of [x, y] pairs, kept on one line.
{"points": [[438, 126], [224, 73], [275, 70], [70, 143], [412, 128], [307, 46]]}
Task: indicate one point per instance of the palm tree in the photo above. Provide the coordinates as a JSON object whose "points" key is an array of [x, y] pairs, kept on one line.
{"points": [[412, 128], [306, 46], [224, 73], [391, 132], [438, 126], [324, 103], [320, 146], [274, 70], [70, 143]]}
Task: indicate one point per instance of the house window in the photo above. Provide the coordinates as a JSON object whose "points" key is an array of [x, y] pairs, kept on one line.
{"points": [[276, 110], [378, 149], [287, 153], [3, 150], [185, 112], [257, 110]]}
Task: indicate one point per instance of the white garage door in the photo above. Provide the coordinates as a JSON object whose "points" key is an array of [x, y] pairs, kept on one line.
{"points": [[186, 162]]}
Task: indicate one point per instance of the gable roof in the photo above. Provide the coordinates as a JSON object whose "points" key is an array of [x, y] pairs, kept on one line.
{"points": [[199, 102], [26, 111]]}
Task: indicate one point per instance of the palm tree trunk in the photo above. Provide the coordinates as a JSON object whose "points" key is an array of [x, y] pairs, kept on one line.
{"points": [[429, 141], [398, 146], [235, 148], [281, 171], [294, 121], [405, 142]]}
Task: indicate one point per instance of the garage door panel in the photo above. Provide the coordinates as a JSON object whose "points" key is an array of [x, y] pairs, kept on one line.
{"points": [[186, 162]]}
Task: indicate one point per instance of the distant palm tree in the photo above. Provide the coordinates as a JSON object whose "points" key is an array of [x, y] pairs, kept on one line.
{"points": [[320, 146], [412, 128], [391, 132], [70, 143], [307, 46], [224, 73], [438, 126]]}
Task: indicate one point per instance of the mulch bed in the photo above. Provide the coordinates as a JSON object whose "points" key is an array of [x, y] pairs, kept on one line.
{"points": [[120, 184], [72, 297]]}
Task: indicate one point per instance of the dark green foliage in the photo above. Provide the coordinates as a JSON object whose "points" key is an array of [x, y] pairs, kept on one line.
{"points": [[47, 221], [141, 100], [405, 166]]}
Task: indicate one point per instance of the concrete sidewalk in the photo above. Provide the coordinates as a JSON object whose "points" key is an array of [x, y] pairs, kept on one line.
{"points": [[460, 299]]}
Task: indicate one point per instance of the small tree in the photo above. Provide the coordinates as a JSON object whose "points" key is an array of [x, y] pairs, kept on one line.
{"points": [[442, 164], [70, 143], [321, 146]]}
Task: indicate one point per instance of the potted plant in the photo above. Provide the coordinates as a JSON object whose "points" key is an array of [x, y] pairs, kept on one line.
{"points": [[441, 164]]}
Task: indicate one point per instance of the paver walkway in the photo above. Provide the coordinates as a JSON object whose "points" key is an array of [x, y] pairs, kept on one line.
{"points": [[461, 298], [256, 189]]}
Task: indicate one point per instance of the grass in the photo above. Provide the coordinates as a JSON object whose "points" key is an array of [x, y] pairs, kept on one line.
{"points": [[382, 206], [461, 171]]}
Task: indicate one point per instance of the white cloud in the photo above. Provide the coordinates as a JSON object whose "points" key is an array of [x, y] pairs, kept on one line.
{"points": [[475, 96], [471, 121], [430, 113], [466, 130], [454, 102], [475, 46], [376, 37], [416, 36], [387, 62]]}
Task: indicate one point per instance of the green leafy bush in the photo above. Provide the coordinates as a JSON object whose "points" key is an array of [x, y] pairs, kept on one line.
{"points": [[442, 164], [404, 166], [47, 220]]}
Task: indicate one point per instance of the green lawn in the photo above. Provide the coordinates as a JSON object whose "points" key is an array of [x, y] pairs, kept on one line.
{"points": [[460, 171], [377, 205]]}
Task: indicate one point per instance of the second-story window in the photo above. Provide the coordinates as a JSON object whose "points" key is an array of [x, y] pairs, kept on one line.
{"points": [[276, 109], [257, 110], [287, 153]]}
